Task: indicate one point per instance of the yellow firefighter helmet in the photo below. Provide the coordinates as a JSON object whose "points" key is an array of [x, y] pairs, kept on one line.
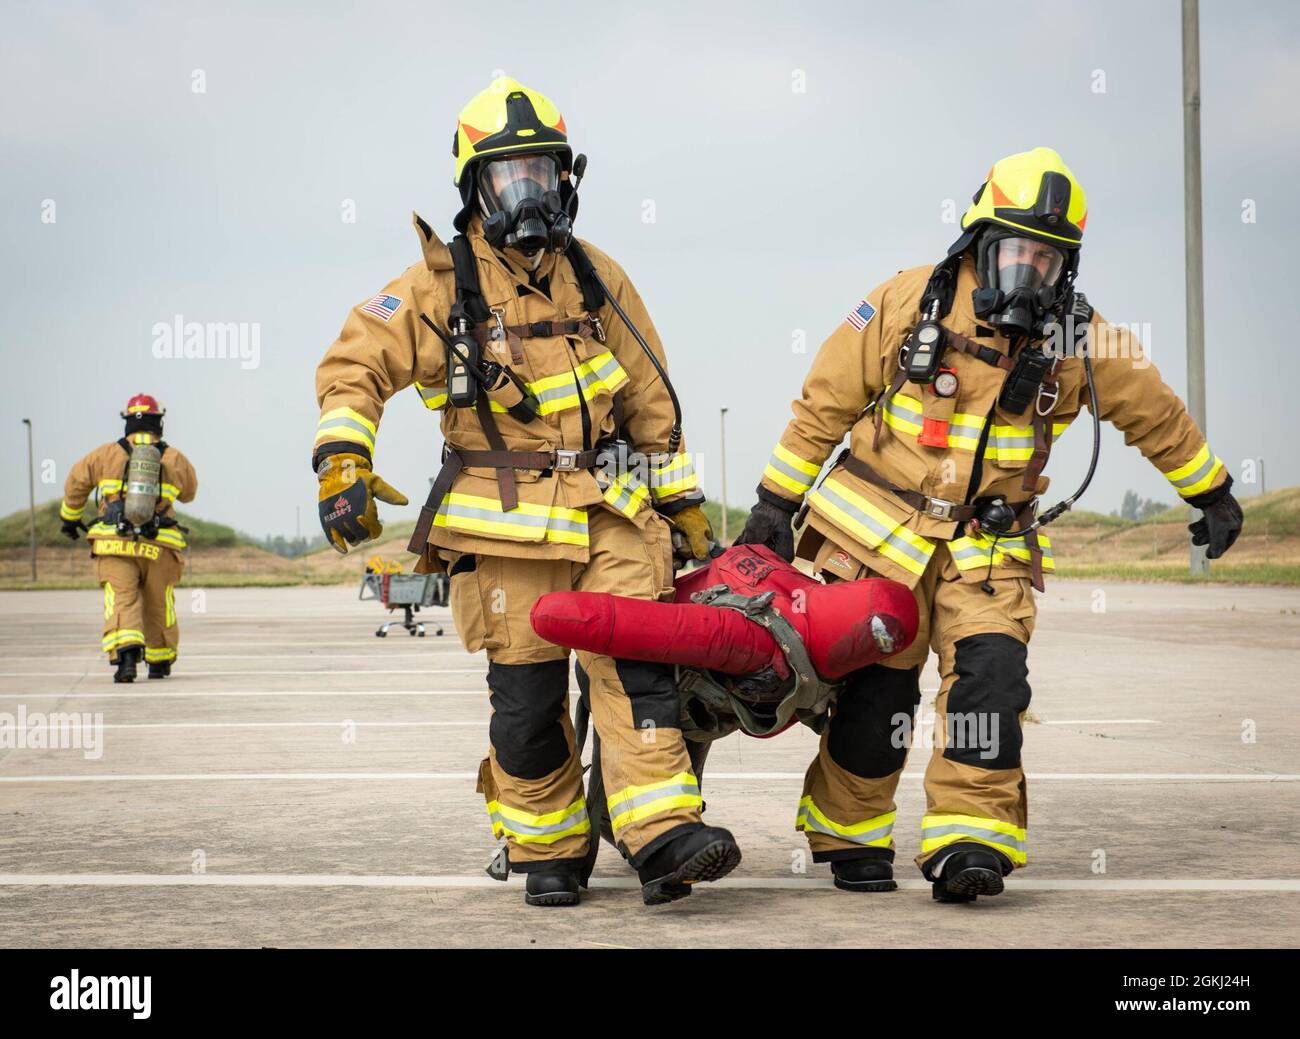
{"points": [[507, 117], [1033, 193]]}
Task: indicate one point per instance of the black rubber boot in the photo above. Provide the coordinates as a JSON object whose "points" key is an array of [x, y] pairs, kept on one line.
{"points": [[864, 875], [708, 853], [969, 871], [160, 668], [127, 659], [553, 887]]}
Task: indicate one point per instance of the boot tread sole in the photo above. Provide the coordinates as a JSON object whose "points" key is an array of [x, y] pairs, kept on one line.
{"points": [[712, 862], [966, 884]]}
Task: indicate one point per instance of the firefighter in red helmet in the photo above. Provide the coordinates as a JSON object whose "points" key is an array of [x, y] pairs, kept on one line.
{"points": [[135, 541]]}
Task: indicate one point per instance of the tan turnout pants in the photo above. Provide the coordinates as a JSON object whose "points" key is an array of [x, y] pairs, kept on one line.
{"points": [[974, 785], [532, 777], [140, 603]]}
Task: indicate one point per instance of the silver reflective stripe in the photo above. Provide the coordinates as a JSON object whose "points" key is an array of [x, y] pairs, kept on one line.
{"points": [[586, 380], [626, 494], [965, 431], [555, 393], [886, 535], [347, 423], [523, 519], [900, 410], [529, 830], [992, 836], [971, 552], [786, 469], [811, 822], [428, 393], [658, 794], [1011, 441], [1200, 473], [608, 368], [675, 469]]}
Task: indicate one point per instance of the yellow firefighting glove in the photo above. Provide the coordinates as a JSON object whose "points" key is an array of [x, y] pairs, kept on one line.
{"points": [[348, 492], [696, 535]]}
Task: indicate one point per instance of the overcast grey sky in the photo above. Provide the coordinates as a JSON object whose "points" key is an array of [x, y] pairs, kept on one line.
{"points": [[793, 155]]}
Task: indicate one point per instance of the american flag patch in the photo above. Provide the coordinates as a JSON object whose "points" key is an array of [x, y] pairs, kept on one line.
{"points": [[861, 314], [382, 306]]}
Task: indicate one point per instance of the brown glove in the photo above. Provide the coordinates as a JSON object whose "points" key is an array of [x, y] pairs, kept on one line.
{"points": [[348, 492], [696, 534]]}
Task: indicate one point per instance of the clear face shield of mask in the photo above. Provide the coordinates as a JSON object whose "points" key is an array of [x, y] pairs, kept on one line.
{"points": [[1022, 263], [1018, 278], [521, 201]]}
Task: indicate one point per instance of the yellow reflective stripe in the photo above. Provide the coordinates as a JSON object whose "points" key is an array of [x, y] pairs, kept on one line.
{"points": [[1060, 427], [972, 553], [634, 803], [169, 600], [871, 833], [157, 656], [346, 424], [938, 831], [109, 486], [903, 412], [66, 512], [674, 476], [627, 494], [98, 529], [874, 527], [559, 392], [114, 639], [964, 431], [434, 397], [1198, 475], [171, 537], [786, 469], [170, 491], [547, 828], [1010, 444], [110, 599], [526, 521]]}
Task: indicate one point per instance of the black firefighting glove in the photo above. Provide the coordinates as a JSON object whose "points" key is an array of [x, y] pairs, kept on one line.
{"points": [[771, 523], [348, 492], [71, 529], [1220, 522]]}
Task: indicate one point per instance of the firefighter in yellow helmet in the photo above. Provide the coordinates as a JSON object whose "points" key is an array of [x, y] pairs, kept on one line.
{"points": [[563, 469], [954, 381], [134, 538]]}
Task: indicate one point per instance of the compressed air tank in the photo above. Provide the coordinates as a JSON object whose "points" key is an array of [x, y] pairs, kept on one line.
{"points": [[143, 484]]}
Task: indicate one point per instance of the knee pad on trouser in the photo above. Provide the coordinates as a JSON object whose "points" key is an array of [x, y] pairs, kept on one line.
{"points": [[528, 703], [652, 692], [986, 700], [873, 715]]}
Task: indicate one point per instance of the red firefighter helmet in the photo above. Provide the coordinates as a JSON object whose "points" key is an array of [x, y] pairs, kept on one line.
{"points": [[143, 404]]}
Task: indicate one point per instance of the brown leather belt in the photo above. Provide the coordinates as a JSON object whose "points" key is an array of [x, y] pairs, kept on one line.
{"points": [[456, 459], [935, 508]]}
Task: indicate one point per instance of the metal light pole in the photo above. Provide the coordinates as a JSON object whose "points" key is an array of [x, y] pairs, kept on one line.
{"points": [[31, 492], [722, 438], [1192, 236]]}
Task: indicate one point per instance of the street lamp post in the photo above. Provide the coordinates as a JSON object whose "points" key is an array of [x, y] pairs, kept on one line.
{"points": [[1192, 223], [31, 493], [722, 438]]}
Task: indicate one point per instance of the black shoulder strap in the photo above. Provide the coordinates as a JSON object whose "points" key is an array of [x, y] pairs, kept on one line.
{"points": [[593, 296], [469, 305], [942, 287]]}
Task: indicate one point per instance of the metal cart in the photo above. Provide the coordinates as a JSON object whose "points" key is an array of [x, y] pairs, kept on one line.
{"points": [[408, 592]]}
